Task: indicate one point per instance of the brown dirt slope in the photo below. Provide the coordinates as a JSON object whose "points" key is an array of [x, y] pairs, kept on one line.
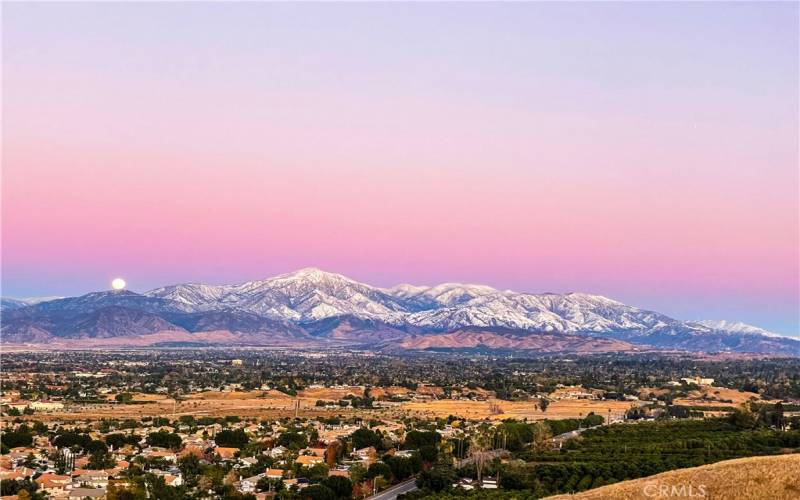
{"points": [[543, 342], [752, 478]]}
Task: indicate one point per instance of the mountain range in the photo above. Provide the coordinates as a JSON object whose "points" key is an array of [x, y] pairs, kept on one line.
{"points": [[313, 307]]}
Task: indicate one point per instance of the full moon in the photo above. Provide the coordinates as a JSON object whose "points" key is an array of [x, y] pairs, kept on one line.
{"points": [[118, 284]]}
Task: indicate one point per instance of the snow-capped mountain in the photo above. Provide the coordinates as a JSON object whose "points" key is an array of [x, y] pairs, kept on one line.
{"points": [[311, 304], [305, 295], [312, 295], [734, 327], [8, 303]]}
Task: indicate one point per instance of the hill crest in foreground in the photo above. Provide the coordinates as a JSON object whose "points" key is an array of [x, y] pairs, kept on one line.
{"points": [[752, 478]]}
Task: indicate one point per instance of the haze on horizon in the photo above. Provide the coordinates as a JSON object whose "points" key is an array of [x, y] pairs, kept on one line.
{"points": [[646, 152]]}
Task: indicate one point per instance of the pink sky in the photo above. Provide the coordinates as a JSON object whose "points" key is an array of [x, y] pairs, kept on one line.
{"points": [[645, 152]]}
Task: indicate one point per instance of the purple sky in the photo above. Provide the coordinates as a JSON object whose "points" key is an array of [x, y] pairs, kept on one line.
{"points": [[648, 152]]}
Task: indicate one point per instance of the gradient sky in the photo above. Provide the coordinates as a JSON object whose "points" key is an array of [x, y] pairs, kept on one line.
{"points": [[647, 152]]}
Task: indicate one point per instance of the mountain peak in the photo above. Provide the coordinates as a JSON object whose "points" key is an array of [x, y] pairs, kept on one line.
{"points": [[111, 293], [593, 297], [311, 274]]}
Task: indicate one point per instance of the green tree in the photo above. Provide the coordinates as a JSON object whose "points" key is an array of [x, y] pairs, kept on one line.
{"points": [[317, 492], [100, 459], [190, 468], [428, 453], [543, 404], [16, 438], [293, 440], [378, 469], [438, 478], [401, 467], [124, 397], [364, 438], [267, 484], [231, 438], [357, 473], [342, 487], [416, 439], [164, 439]]}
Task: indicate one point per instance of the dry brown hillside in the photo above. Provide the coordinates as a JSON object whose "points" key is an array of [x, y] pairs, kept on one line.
{"points": [[752, 478]]}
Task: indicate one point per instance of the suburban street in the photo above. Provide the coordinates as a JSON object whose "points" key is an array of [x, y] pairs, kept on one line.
{"points": [[391, 493]]}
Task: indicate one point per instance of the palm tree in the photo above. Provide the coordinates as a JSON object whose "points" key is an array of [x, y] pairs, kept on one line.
{"points": [[480, 450]]}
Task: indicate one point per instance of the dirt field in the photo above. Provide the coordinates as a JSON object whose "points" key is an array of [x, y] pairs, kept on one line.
{"points": [[430, 390], [387, 392], [274, 404], [138, 396], [716, 396], [237, 395], [331, 393], [496, 409], [261, 404], [752, 478], [563, 392]]}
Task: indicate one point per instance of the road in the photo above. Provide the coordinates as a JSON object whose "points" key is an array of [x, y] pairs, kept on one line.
{"points": [[391, 493], [567, 436]]}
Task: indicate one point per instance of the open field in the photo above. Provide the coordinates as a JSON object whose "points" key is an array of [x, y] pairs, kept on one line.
{"points": [[273, 404], [496, 409], [141, 397], [716, 396], [752, 478], [262, 404], [236, 395], [387, 392], [331, 393]]}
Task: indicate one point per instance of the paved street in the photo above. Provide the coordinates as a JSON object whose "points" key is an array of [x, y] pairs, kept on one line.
{"points": [[392, 492]]}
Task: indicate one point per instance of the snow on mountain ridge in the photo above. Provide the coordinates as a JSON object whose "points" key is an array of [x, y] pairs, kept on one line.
{"points": [[734, 327], [313, 302], [311, 295], [9, 303], [305, 295]]}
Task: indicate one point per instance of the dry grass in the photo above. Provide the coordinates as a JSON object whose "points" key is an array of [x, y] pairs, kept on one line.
{"points": [[331, 393], [716, 396], [752, 478], [139, 396], [272, 404], [497, 409], [387, 392], [430, 390], [563, 392], [237, 395], [260, 404]]}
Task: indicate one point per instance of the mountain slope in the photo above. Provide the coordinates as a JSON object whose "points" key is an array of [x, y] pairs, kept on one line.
{"points": [[104, 322], [314, 305], [734, 327], [513, 340], [98, 300], [311, 295], [234, 321], [8, 303], [305, 295]]}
